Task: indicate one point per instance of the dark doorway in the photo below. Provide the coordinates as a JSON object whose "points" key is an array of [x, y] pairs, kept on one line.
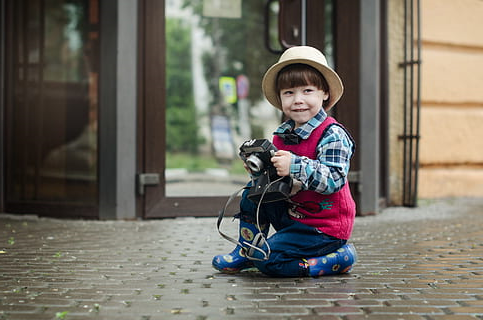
{"points": [[51, 107]]}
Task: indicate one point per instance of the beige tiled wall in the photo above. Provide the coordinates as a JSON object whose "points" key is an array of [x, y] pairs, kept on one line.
{"points": [[451, 147]]}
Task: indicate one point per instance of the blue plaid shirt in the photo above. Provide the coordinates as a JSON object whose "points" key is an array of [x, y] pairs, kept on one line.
{"points": [[328, 173]]}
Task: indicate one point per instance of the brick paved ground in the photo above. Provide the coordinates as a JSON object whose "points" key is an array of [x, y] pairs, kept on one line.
{"points": [[415, 264]]}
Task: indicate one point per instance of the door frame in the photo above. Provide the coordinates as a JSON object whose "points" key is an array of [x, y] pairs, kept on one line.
{"points": [[3, 23], [151, 132]]}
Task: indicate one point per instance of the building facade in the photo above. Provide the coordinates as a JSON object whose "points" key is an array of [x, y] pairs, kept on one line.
{"points": [[452, 103], [135, 109]]}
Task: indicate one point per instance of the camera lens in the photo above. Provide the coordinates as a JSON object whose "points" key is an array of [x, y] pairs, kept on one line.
{"points": [[254, 163]]}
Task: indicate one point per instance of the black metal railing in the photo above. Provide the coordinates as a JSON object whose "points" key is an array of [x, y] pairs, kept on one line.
{"points": [[412, 100]]}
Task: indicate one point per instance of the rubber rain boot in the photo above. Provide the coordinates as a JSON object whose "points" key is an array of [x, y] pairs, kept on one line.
{"points": [[236, 260], [337, 262]]}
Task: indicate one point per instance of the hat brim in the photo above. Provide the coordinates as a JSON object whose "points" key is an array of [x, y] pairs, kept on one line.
{"points": [[336, 87]]}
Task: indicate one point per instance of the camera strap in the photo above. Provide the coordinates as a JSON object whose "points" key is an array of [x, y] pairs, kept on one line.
{"points": [[259, 239], [222, 214], [257, 242]]}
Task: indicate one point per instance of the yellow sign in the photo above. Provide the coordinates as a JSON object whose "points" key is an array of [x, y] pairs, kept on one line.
{"points": [[228, 89]]}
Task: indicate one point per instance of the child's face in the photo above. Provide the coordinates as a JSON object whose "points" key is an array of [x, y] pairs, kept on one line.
{"points": [[302, 103]]}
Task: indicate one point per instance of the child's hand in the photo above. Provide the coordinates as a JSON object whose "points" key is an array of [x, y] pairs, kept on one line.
{"points": [[281, 161]]}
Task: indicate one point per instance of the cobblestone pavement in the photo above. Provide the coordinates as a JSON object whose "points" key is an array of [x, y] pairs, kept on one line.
{"points": [[416, 264]]}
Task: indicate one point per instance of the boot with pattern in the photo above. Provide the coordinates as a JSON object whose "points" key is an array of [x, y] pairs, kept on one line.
{"points": [[339, 261], [236, 260]]}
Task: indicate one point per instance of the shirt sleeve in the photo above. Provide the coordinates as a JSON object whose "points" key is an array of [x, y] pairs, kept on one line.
{"points": [[328, 173]]}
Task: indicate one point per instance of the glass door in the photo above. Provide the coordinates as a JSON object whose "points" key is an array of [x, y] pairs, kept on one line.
{"points": [[215, 60], [51, 107], [207, 98]]}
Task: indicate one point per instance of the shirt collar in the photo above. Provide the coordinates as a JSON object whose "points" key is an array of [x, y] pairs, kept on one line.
{"points": [[304, 130]]}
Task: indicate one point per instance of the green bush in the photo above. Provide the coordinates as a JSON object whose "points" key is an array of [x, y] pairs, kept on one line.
{"points": [[181, 118]]}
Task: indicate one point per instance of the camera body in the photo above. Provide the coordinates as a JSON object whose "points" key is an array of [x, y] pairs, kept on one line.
{"points": [[257, 153], [269, 187]]}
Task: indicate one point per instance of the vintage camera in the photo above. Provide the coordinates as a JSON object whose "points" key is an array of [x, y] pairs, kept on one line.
{"points": [[256, 154]]}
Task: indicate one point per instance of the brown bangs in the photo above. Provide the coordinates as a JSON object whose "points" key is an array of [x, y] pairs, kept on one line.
{"points": [[296, 75]]}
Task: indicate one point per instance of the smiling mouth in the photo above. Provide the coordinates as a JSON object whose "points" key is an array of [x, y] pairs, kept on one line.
{"points": [[299, 110]]}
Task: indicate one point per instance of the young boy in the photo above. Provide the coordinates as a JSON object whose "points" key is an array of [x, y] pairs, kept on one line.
{"points": [[313, 226]]}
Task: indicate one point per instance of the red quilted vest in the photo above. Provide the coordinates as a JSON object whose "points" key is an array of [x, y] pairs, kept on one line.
{"points": [[336, 217]]}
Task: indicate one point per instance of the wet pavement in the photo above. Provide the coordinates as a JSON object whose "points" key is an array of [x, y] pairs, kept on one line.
{"points": [[416, 264]]}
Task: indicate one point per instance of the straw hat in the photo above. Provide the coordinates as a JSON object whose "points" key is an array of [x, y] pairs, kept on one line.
{"points": [[305, 55]]}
